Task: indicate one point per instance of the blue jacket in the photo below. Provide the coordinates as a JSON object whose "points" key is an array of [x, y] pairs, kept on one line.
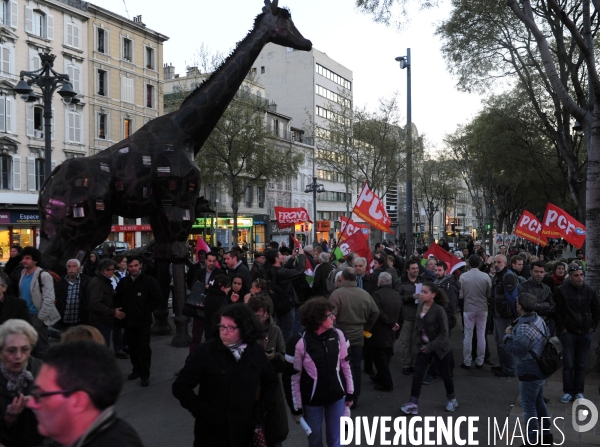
{"points": [[524, 338]]}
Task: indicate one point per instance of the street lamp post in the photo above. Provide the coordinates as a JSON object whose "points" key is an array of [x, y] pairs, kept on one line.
{"points": [[405, 63], [48, 81], [314, 187]]}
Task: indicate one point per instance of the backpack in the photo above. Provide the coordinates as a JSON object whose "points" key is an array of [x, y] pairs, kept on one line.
{"points": [[194, 304], [282, 303], [331, 280], [552, 354]]}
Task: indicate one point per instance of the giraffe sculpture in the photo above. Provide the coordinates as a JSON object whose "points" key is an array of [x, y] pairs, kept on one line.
{"points": [[153, 173]]}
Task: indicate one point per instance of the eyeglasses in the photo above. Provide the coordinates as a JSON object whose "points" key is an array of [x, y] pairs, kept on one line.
{"points": [[37, 395], [13, 350], [575, 268], [223, 328], [330, 315]]}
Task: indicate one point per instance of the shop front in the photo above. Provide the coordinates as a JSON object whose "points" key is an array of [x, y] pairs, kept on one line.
{"points": [[281, 236], [224, 230], [18, 227], [260, 231], [134, 235], [323, 230]]}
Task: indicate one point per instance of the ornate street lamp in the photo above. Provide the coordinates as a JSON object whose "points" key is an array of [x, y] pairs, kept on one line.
{"points": [[314, 187], [48, 81]]}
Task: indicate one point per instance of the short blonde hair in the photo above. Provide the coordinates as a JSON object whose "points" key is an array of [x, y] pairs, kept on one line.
{"points": [[83, 332], [18, 327]]}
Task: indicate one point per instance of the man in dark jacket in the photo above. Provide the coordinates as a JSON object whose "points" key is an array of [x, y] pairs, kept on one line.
{"points": [[236, 267], [535, 285], [71, 296], [85, 416], [322, 271], [384, 331], [503, 316], [139, 295], [10, 306], [364, 280], [577, 317], [406, 287], [101, 301], [258, 266]]}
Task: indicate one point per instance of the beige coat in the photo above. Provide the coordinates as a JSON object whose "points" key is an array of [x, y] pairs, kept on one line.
{"points": [[43, 303]]}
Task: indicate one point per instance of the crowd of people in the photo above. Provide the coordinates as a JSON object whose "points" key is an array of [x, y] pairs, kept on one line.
{"points": [[268, 335]]}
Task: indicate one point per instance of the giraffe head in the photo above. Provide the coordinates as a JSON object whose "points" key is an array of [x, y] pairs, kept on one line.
{"points": [[282, 30]]}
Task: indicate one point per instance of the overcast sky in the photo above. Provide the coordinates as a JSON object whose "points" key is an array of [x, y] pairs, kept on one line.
{"points": [[336, 28]]}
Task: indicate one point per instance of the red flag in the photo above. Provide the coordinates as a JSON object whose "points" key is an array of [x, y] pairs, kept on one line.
{"points": [[530, 228], [201, 245], [308, 268], [288, 217], [558, 223], [353, 227], [370, 208], [445, 256]]}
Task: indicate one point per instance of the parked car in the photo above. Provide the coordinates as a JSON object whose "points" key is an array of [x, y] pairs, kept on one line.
{"points": [[119, 247]]}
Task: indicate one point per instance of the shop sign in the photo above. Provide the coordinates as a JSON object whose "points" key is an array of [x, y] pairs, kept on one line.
{"points": [[323, 225], [243, 222], [124, 228], [21, 217], [276, 230], [261, 219], [4, 217]]}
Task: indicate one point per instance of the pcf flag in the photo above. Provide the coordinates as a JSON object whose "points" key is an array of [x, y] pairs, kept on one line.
{"points": [[530, 228], [288, 217], [352, 227], [445, 256], [370, 208], [558, 223]]}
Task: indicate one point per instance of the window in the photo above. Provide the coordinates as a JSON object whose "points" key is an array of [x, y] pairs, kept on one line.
{"points": [[127, 90], [72, 35], [35, 63], [127, 128], [336, 117], [271, 208], [288, 184], [102, 83], [38, 23], [4, 172], [261, 196], [326, 93], [74, 73], [74, 127], [149, 58], [262, 70], [102, 40], [248, 197], [5, 60], [40, 164], [38, 122], [279, 202], [334, 77], [9, 13], [127, 50], [150, 96], [102, 125], [6, 114]]}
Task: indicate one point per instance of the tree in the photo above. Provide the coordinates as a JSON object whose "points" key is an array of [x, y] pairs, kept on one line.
{"points": [[238, 153]]}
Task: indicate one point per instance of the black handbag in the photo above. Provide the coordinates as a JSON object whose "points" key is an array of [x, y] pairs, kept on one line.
{"points": [[194, 304]]}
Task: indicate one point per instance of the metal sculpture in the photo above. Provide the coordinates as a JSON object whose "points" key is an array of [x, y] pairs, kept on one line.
{"points": [[153, 173]]}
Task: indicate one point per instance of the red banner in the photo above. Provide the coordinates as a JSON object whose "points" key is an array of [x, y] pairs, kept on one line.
{"points": [[353, 227], [558, 223], [288, 217], [442, 255], [371, 209], [530, 228]]}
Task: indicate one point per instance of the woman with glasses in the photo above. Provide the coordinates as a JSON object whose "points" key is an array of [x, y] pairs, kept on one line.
{"points": [[238, 291], [236, 382], [319, 383], [18, 425], [91, 265], [276, 427]]}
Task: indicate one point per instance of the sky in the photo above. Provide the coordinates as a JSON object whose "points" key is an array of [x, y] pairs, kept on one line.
{"points": [[335, 27]]}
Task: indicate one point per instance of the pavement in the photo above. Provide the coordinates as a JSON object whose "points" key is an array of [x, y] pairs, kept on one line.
{"points": [[160, 421]]}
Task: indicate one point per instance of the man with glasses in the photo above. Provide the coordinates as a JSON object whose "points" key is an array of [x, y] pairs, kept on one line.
{"points": [[577, 316], [74, 397], [102, 309], [138, 295]]}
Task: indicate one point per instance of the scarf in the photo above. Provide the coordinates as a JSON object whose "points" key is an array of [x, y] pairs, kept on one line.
{"points": [[237, 349], [17, 383], [558, 280]]}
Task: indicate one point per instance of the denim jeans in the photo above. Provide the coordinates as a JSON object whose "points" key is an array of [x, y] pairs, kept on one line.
{"points": [[286, 324], [474, 320], [534, 408], [314, 418], [576, 353], [507, 361], [355, 353]]}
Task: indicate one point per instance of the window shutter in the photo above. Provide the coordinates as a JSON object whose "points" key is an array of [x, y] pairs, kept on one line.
{"points": [[77, 125], [31, 173], [2, 114], [14, 14], [16, 166], [50, 27], [36, 63], [69, 33], [53, 164], [9, 120], [106, 42], [70, 127], [29, 109], [5, 60], [75, 36], [28, 19], [76, 79]]}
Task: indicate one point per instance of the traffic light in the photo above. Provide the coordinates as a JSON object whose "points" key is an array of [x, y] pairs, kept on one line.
{"points": [[488, 227]]}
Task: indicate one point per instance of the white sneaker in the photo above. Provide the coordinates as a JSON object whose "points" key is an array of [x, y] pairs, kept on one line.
{"points": [[410, 408], [579, 396], [566, 398], [451, 405]]}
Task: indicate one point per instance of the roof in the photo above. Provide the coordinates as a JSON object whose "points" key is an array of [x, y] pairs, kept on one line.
{"points": [[138, 25]]}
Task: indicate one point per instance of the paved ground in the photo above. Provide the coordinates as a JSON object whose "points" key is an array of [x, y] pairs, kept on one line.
{"points": [[161, 422]]}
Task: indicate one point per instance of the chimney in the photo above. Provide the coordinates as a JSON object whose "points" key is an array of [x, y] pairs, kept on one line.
{"points": [[138, 19], [169, 71], [192, 71]]}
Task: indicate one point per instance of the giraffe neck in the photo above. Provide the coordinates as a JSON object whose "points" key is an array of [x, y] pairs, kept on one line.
{"points": [[199, 115]]}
